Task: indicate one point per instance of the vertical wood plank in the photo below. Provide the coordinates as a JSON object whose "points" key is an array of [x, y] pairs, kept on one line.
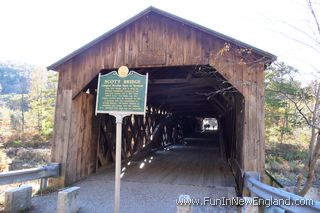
{"points": [[246, 131], [260, 118], [71, 165], [59, 150]]}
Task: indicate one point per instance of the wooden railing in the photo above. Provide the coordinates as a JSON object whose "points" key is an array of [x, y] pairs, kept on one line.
{"points": [[43, 173]]}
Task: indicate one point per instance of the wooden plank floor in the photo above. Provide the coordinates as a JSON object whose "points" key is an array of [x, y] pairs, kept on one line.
{"points": [[196, 163]]}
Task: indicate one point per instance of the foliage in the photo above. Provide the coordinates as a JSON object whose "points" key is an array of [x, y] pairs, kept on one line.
{"points": [[23, 158], [281, 116], [16, 143], [289, 108], [27, 140], [42, 100], [29, 111], [50, 93], [307, 103]]}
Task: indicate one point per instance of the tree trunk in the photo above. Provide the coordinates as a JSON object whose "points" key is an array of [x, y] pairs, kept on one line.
{"points": [[311, 167], [282, 129], [314, 122], [314, 148], [22, 113]]}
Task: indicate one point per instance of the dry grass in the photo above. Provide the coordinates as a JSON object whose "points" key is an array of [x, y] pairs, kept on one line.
{"points": [[285, 161]]}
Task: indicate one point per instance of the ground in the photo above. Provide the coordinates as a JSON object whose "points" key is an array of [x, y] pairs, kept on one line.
{"points": [[176, 176], [97, 195], [154, 183]]}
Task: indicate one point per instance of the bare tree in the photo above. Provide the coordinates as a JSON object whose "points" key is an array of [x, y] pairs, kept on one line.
{"points": [[307, 102], [314, 121], [309, 110], [314, 146]]}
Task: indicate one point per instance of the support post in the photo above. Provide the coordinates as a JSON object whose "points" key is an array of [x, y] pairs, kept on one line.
{"points": [[43, 183], [119, 118]]}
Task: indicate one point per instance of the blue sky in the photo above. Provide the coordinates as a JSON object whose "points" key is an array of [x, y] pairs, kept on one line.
{"points": [[41, 32]]}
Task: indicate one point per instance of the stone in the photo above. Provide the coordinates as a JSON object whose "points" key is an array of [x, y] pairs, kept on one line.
{"points": [[186, 208], [68, 200], [274, 209], [249, 208], [18, 199]]}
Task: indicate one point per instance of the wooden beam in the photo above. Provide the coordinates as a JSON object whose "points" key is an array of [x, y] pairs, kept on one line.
{"points": [[190, 108], [169, 81], [182, 99], [206, 81], [218, 103], [200, 114], [178, 90], [193, 110], [197, 113]]}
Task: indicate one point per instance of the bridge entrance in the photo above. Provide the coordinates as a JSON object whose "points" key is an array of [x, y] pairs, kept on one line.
{"points": [[194, 73], [186, 131]]}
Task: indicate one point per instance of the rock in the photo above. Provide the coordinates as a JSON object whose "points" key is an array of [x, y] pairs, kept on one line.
{"points": [[18, 199], [186, 208], [68, 200]]}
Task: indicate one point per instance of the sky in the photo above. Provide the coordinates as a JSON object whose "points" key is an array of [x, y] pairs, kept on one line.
{"points": [[40, 32]]}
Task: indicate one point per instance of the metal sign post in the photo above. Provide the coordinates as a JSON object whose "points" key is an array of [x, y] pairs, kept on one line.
{"points": [[117, 177], [121, 94]]}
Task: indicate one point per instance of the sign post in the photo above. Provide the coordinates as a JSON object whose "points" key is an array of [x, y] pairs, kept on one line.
{"points": [[121, 94], [118, 163]]}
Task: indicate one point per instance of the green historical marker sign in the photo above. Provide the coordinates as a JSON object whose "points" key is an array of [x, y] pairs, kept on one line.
{"points": [[120, 94], [123, 93]]}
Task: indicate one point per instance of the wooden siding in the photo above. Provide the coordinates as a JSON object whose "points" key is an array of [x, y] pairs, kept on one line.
{"points": [[76, 150], [150, 42]]}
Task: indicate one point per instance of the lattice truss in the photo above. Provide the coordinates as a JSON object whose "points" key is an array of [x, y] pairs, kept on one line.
{"points": [[140, 134]]}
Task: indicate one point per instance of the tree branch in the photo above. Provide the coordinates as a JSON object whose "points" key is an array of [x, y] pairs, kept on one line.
{"points": [[314, 15], [298, 108]]}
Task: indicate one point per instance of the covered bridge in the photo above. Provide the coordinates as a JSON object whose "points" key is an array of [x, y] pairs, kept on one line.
{"points": [[194, 74]]}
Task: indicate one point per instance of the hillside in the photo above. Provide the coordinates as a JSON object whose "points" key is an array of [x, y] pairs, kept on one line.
{"points": [[15, 77]]}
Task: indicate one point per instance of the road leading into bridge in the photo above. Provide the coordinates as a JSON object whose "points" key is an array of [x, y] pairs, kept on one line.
{"points": [[153, 184]]}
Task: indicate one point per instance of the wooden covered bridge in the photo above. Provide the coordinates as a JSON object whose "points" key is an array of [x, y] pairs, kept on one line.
{"points": [[194, 73]]}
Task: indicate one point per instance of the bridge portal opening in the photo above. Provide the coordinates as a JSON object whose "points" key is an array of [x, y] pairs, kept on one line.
{"points": [[192, 128], [209, 124]]}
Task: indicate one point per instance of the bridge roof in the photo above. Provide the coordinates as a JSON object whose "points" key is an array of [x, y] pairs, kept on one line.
{"points": [[149, 10]]}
